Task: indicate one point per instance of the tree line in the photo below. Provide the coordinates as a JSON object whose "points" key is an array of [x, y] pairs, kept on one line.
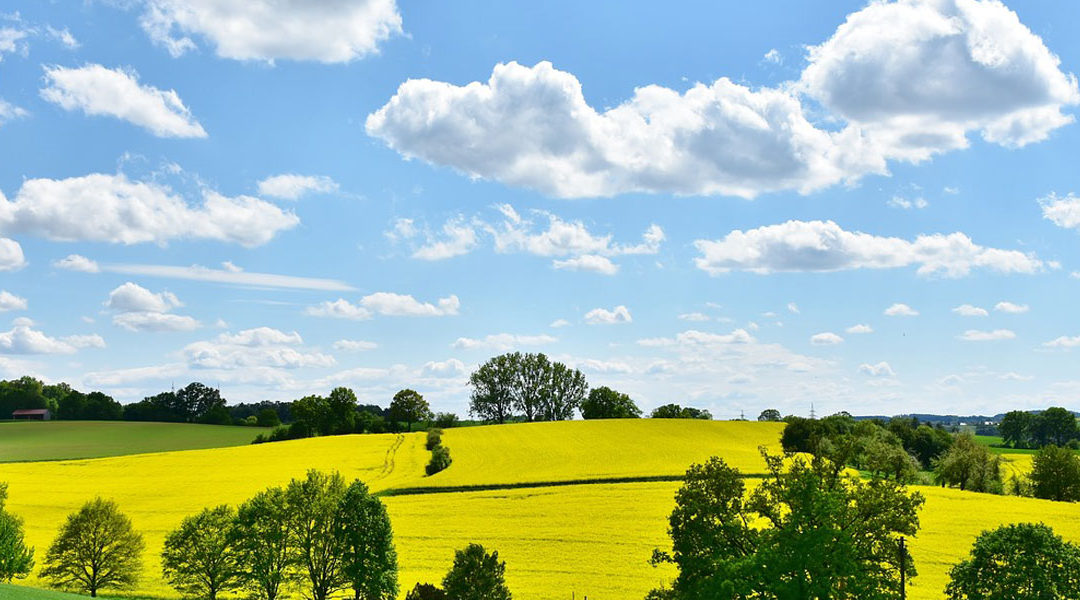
{"points": [[1053, 426]]}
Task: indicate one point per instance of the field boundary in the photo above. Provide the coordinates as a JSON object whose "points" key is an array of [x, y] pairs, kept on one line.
{"points": [[486, 487]]}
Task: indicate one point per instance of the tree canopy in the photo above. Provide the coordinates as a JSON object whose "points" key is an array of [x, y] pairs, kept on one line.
{"points": [[476, 575], [200, 557], [409, 406], [605, 403], [96, 548], [1017, 562], [1055, 474], [16, 558], [529, 385]]}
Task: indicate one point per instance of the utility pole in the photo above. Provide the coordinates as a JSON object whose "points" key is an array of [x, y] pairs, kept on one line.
{"points": [[812, 414], [903, 569]]}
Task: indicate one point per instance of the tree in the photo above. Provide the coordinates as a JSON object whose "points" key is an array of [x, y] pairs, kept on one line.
{"points": [[268, 417], [341, 405], [313, 412], [195, 401], [564, 392], [674, 411], [314, 520], [884, 456], [1017, 562], [1054, 425], [970, 466], [492, 397], [264, 544], [476, 575], [425, 591], [531, 383], [199, 557], [1055, 474], [96, 548], [1015, 428], [605, 403], [16, 558], [770, 415], [370, 561], [809, 531], [409, 406]]}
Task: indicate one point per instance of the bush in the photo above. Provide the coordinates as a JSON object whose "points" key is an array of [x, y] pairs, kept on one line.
{"points": [[434, 438], [268, 417], [446, 420], [425, 591], [440, 459]]}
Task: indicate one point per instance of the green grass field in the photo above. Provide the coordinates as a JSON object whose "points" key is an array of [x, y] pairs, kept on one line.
{"points": [[64, 440], [18, 592]]}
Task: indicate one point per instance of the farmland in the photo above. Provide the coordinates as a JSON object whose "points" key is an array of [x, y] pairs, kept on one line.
{"points": [[59, 440], [590, 539]]}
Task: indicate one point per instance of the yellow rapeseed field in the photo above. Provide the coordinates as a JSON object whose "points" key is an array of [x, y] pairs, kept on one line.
{"points": [[558, 541]]}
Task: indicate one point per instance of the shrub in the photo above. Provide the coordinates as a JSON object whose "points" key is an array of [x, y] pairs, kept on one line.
{"points": [[425, 591], [440, 459], [434, 439], [446, 420]]}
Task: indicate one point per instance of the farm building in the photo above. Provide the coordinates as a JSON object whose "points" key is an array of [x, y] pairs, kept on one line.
{"points": [[32, 414]]}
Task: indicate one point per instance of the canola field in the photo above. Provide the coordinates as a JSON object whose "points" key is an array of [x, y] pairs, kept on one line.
{"points": [[591, 539]]}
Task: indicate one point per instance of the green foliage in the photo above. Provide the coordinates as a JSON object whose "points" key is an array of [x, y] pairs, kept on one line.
{"points": [[446, 420], [199, 557], [96, 549], [425, 591], [1055, 474], [476, 575], [314, 412], [884, 456], [1017, 562], [264, 544], [440, 459], [1054, 425], [809, 531], [770, 415], [369, 561], [341, 405], [409, 406], [24, 392], [674, 411], [268, 417], [493, 387], [1015, 428], [434, 438], [315, 521], [605, 403], [969, 465], [530, 384], [16, 558]]}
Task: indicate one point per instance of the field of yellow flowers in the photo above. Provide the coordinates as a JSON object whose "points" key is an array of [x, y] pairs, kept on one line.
{"points": [[590, 539]]}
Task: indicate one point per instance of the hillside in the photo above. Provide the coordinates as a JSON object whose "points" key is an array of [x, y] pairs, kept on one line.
{"points": [[60, 440]]}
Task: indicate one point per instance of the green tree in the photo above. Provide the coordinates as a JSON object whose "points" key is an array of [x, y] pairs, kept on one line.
{"points": [[425, 591], [1015, 428], [314, 413], [314, 520], [409, 406], [1054, 425], [770, 415], [199, 557], [264, 544], [605, 403], [370, 561], [1017, 562], [195, 401], [674, 411], [1055, 474], [96, 548], [564, 392], [476, 575], [532, 383], [16, 558], [884, 456], [492, 398], [809, 531], [342, 407], [969, 465], [268, 417]]}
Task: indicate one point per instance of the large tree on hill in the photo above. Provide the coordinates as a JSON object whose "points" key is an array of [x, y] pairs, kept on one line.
{"points": [[529, 384], [1015, 428], [264, 544], [605, 403], [1017, 562], [369, 563], [96, 548], [566, 390], [476, 575], [341, 403], [1055, 474], [770, 415], [809, 531], [1054, 425], [969, 465], [199, 557], [195, 401], [409, 406], [493, 386], [315, 520], [314, 413], [16, 558]]}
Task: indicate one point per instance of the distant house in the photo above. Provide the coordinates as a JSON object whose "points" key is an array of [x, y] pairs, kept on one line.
{"points": [[32, 414]]}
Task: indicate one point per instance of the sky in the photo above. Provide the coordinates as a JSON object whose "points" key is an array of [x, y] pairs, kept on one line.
{"points": [[735, 206]]}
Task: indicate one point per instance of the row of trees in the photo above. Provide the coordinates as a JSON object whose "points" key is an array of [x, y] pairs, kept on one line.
{"points": [[529, 385], [61, 399], [1055, 425]]}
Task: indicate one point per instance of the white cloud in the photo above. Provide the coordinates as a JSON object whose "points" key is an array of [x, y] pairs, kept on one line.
{"points": [[588, 262], [914, 77], [9, 301], [23, 339], [826, 338], [131, 297], [882, 369], [614, 367], [10, 112], [1011, 308], [329, 32], [77, 262], [63, 36], [259, 347], [860, 328], [975, 335], [900, 310], [458, 237], [967, 310], [354, 345], [695, 316], [793, 308], [693, 337], [904, 203], [773, 56], [112, 208], [1061, 211], [443, 369], [602, 316], [11, 254], [292, 187], [99, 91], [825, 246], [564, 238], [12, 41], [84, 341], [502, 342], [230, 276], [155, 322], [385, 303], [126, 376], [557, 323], [1063, 342]]}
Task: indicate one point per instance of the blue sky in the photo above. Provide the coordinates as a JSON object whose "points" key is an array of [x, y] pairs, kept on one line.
{"points": [[865, 207]]}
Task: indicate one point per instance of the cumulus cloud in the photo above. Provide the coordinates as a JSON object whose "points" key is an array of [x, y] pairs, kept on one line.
{"points": [[694, 316], [139, 309], [882, 369], [258, 347], [98, 91], [603, 316], [443, 369], [693, 337], [292, 187], [354, 345], [826, 338], [13, 40], [1061, 211], [458, 237], [385, 303], [156, 322], [9, 301], [860, 328], [502, 342], [9, 112], [968, 310], [265, 30], [24, 339], [900, 310], [557, 323], [975, 335], [111, 208], [11, 254], [904, 203], [825, 246], [77, 262], [1011, 308], [588, 262], [1063, 342], [793, 308]]}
